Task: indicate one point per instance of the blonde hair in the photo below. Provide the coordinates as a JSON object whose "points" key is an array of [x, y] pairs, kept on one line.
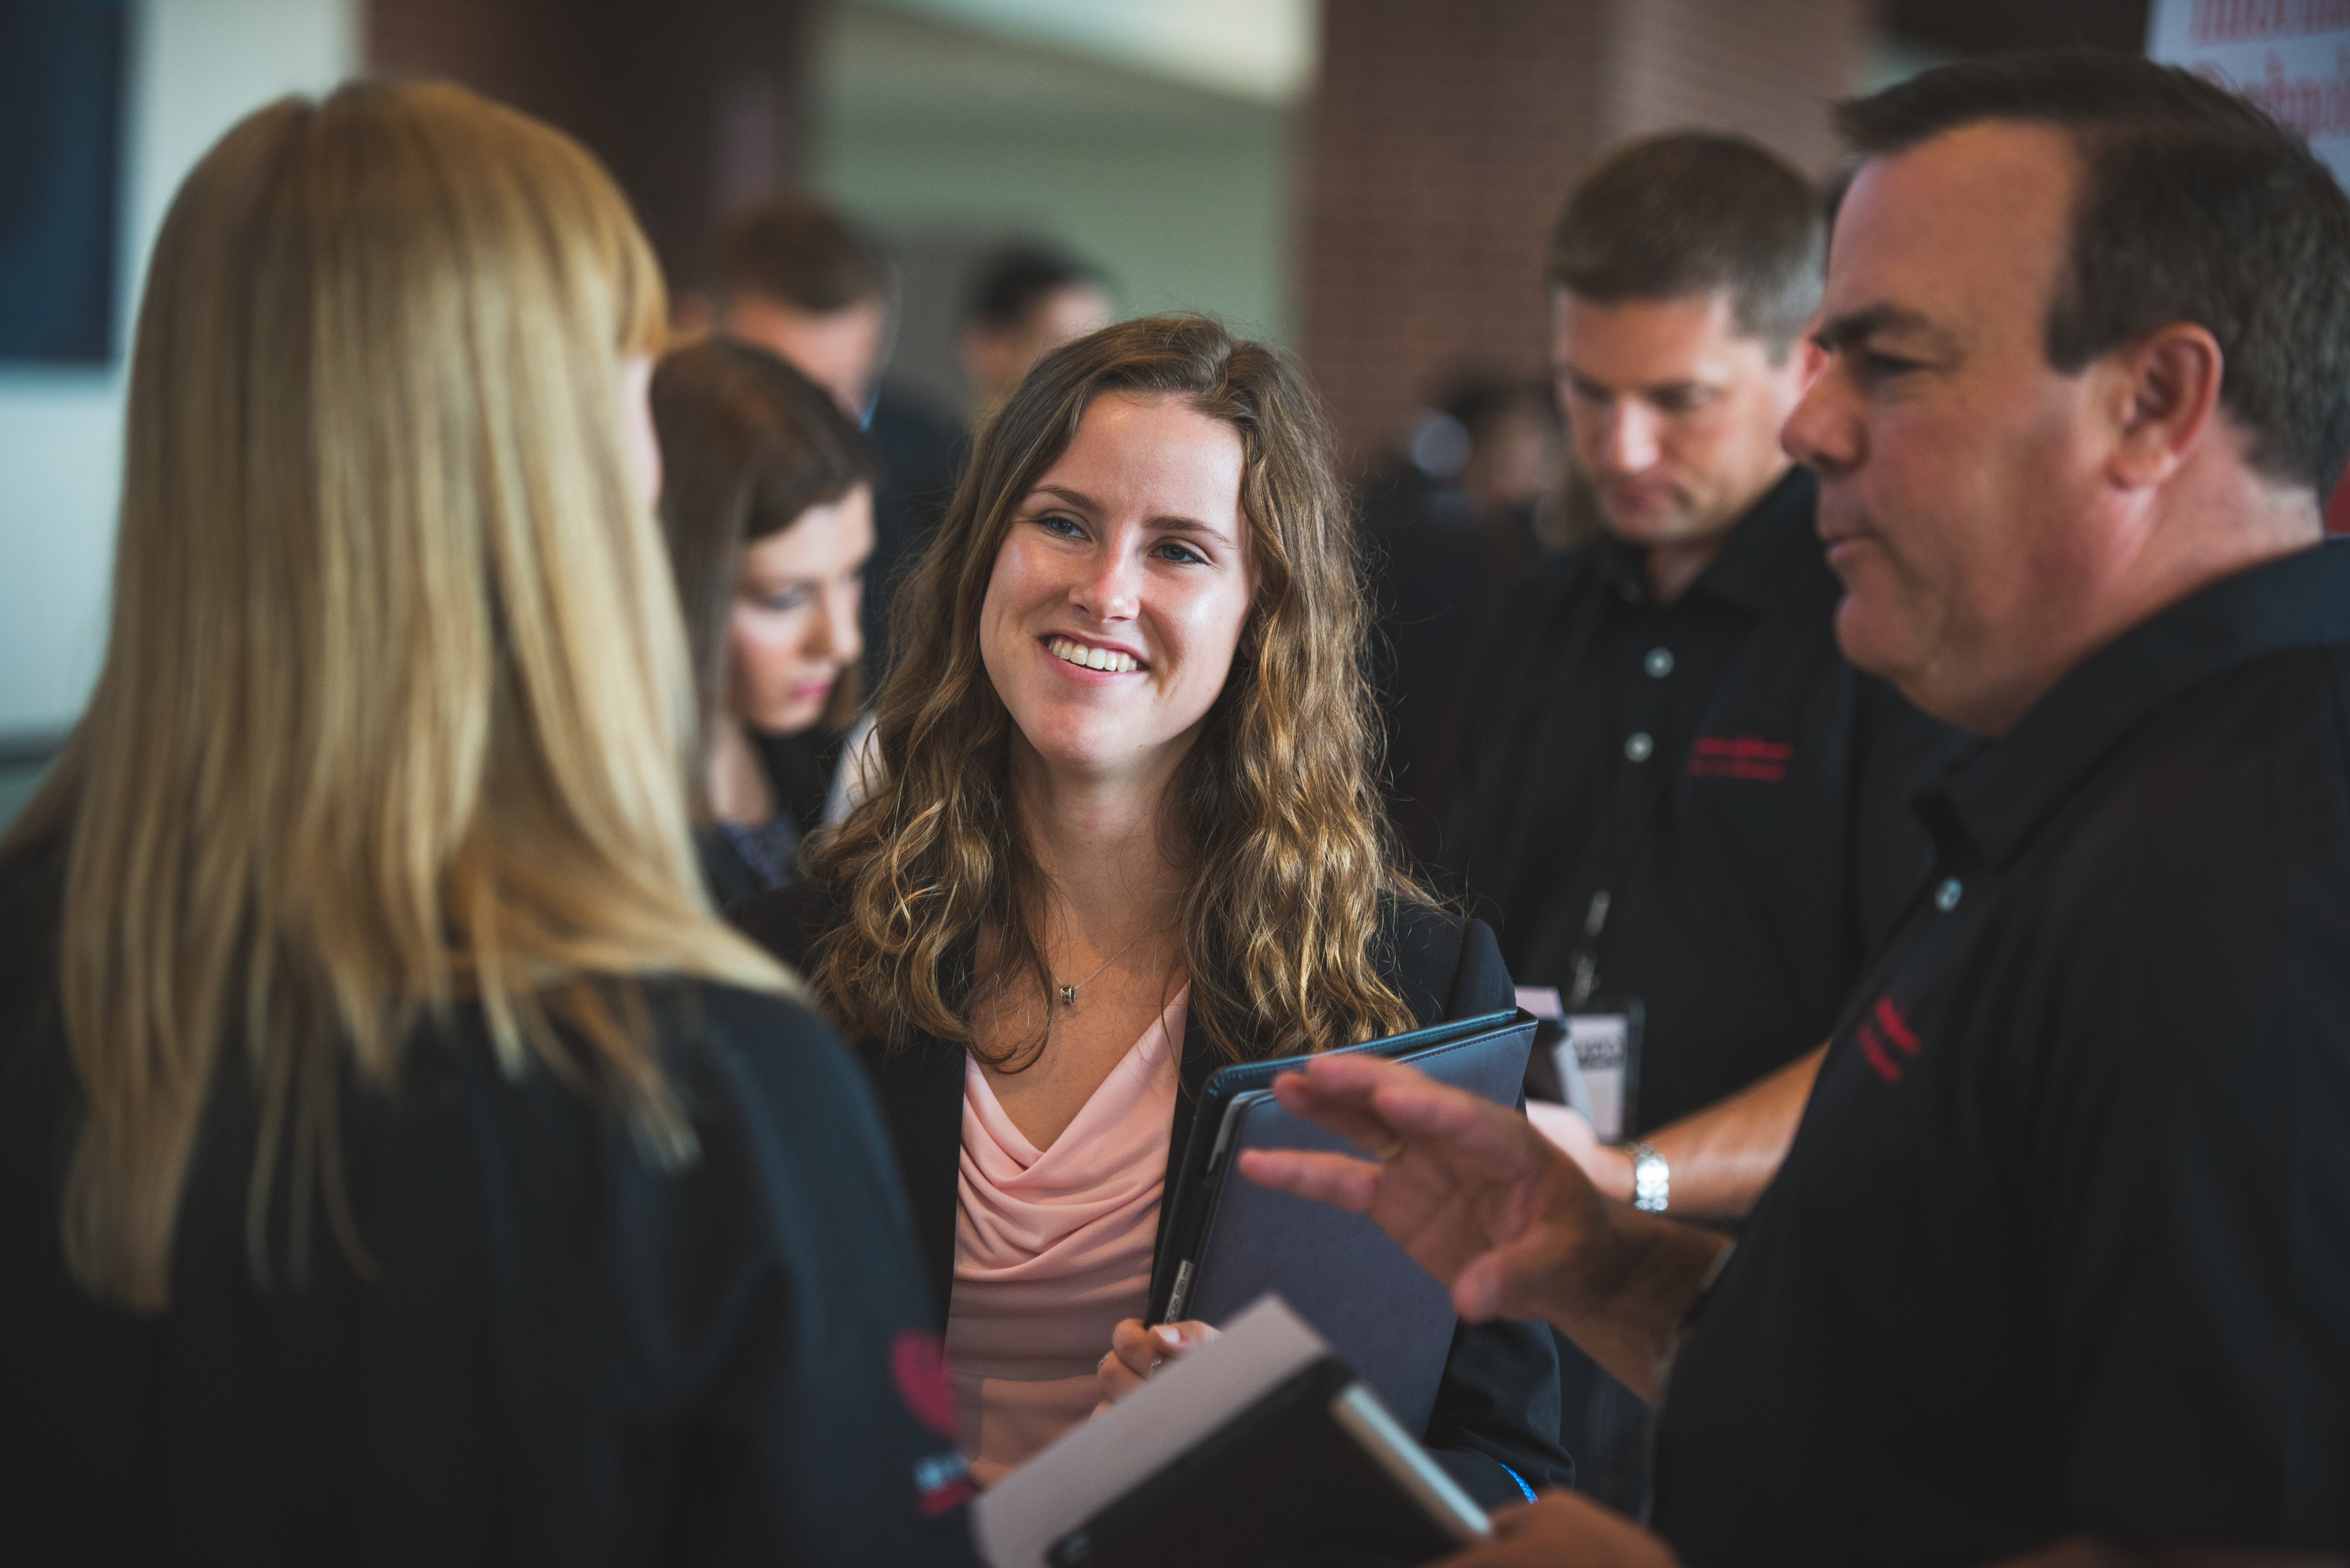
{"points": [[1276, 802], [395, 707]]}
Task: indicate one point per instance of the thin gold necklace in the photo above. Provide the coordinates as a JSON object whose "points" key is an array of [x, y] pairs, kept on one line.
{"points": [[1069, 992]]}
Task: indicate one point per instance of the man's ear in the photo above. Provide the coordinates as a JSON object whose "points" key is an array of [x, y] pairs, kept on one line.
{"points": [[2167, 400]]}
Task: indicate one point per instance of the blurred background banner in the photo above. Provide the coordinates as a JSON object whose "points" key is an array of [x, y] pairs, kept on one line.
{"points": [[1367, 183], [2290, 57]]}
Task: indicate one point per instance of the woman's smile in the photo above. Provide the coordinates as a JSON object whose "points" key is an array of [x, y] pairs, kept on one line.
{"points": [[1093, 658]]}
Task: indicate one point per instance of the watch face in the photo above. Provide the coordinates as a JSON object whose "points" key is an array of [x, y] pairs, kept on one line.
{"points": [[1651, 1179]]}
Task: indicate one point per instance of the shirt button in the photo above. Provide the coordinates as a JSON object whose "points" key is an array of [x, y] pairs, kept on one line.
{"points": [[1659, 662], [1636, 746], [1945, 896]]}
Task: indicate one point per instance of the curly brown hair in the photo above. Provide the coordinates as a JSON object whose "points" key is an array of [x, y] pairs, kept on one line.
{"points": [[1279, 810]]}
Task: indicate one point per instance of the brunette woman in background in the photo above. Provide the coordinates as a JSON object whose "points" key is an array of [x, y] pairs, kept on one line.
{"points": [[767, 506]]}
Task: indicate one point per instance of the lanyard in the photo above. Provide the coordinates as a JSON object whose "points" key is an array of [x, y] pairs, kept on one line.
{"points": [[1631, 805]]}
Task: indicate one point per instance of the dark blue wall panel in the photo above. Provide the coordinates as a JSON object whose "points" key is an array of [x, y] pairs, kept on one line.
{"points": [[61, 135]]}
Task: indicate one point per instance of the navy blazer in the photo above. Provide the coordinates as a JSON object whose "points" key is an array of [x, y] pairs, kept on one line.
{"points": [[1496, 1420]]}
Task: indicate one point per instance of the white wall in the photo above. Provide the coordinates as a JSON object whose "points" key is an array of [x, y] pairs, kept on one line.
{"points": [[196, 66], [946, 140]]}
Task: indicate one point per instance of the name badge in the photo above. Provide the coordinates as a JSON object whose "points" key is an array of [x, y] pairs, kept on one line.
{"points": [[1596, 1053]]}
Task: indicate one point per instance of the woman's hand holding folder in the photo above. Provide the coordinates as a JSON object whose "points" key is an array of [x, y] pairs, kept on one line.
{"points": [[1482, 1201], [1135, 1352]]}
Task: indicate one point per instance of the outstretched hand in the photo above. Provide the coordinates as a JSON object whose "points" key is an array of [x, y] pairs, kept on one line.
{"points": [[1470, 1190]]}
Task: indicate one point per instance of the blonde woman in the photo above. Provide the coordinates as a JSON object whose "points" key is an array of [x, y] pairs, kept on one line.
{"points": [[397, 1161], [1126, 831]]}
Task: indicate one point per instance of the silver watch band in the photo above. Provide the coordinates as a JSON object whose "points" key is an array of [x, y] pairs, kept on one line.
{"points": [[1652, 1178]]}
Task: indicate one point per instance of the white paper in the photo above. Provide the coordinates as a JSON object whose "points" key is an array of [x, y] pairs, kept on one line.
{"points": [[1541, 1000], [1018, 1518]]}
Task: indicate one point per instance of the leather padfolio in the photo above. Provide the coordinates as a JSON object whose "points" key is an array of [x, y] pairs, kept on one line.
{"points": [[1229, 1241]]}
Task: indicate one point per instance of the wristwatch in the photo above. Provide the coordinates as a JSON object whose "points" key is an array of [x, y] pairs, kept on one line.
{"points": [[1652, 1178]]}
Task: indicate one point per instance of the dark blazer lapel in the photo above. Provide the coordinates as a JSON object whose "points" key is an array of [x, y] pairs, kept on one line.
{"points": [[920, 1089], [1200, 1059]]}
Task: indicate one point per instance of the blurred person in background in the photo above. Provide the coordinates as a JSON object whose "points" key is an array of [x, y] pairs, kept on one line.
{"points": [[767, 506], [1126, 833], [1450, 529], [796, 279], [399, 1160], [1678, 801], [1026, 300]]}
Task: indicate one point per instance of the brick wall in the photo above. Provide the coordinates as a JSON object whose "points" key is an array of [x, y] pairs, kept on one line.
{"points": [[1767, 69], [695, 105], [1442, 139]]}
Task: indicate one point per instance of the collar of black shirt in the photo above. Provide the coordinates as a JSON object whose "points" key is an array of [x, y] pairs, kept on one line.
{"points": [[1993, 793], [1768, 547]]}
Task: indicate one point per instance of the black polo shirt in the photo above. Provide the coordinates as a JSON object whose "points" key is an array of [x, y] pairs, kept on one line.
{"points": [[2063, 1242], [1719, 765]]}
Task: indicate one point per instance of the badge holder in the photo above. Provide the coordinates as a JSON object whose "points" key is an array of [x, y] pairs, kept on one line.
{"points": [[1588, 1060]]}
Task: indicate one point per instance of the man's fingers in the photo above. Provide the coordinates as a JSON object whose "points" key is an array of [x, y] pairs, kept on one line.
{"points": [[1462, 1123], [1477, 1290], [1375, 1104], [1512, 1280], [1343, 1110], [1333, 1178]]}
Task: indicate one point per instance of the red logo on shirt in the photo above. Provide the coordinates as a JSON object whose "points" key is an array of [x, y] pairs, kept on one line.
{"points": [[1743, 757], [919, 1362], [1882, 1034]]}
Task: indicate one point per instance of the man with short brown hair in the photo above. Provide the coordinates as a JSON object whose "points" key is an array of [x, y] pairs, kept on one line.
{"points": [[1683, 805], [796, 278]]}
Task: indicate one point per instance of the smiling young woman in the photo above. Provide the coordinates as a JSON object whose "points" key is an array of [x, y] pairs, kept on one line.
{"points": [[1124, 830]]}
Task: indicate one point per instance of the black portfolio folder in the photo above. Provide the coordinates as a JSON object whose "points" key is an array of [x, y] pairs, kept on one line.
{"points": [[1229, 1241], [1312, 1474]]}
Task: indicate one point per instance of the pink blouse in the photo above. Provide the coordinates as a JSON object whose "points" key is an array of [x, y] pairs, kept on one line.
{"points": [[1053, 1247]]}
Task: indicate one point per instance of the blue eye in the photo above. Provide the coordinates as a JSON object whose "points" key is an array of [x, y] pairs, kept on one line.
{"points": [[1183, 555], [790, 599], [1060, 526]]}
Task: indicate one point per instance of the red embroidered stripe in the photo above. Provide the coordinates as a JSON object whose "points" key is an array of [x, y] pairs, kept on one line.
{"points": [[1739, 757], [1887, 1067], [1896, 1029]]}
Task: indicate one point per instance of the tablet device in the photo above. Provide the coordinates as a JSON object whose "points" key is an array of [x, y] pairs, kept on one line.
{"points": [[1229, 1241]]}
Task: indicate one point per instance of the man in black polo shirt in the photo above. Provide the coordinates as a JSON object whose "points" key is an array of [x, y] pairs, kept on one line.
{"points": [[2057, 1269], [1676, 790], [1679, 796]]}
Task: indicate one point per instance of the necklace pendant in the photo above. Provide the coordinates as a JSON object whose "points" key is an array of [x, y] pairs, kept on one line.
{"points": [[1068, 996]]}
